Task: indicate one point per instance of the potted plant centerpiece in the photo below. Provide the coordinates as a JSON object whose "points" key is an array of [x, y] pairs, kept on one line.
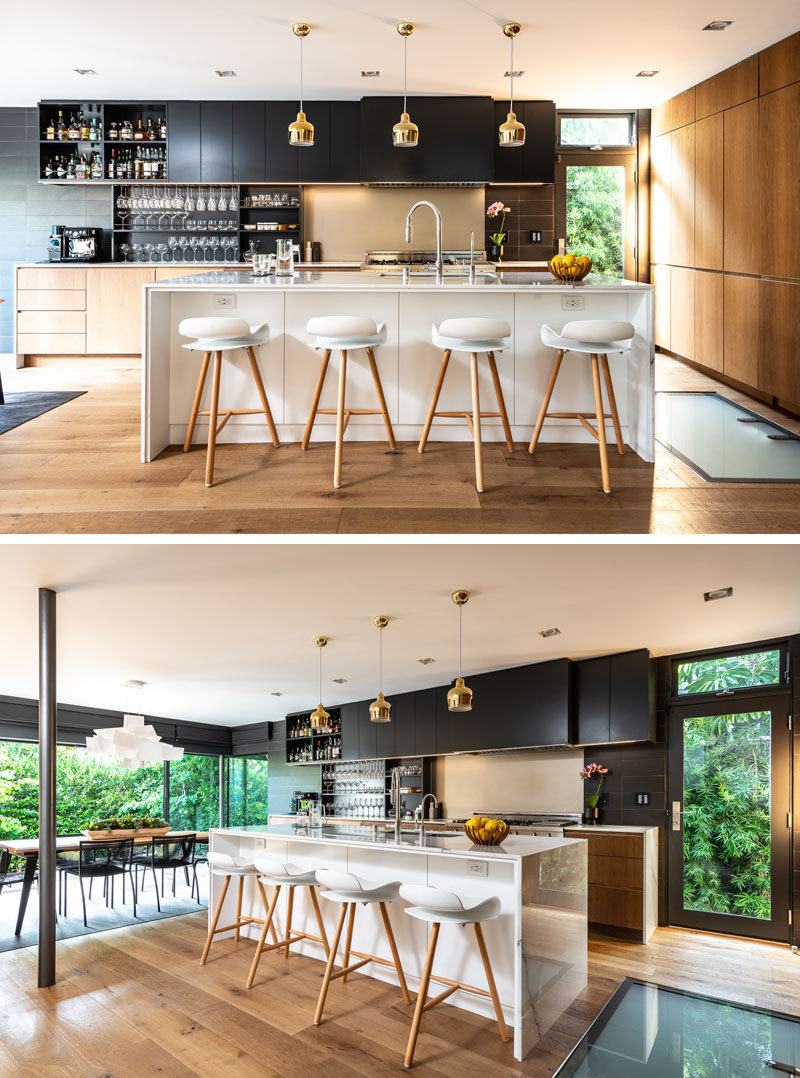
{"points": [[497, 239], [126, 826], [591, 773]]}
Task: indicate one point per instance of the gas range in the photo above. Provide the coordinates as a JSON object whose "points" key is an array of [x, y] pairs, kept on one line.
{"points": [[419, 261], [535, 823]]}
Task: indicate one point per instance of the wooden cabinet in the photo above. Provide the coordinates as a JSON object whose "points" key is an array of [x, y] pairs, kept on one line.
{"points": [[682, 197], [623, 879], [660, 197], [114, 310], [740, 337], [779, 65], [51, 278], [661, 281], [779, 321], [677, 112], [51, 311], [613, 699], [183, 141], [535, 162], [741, 203], [682, 282], [730, 87], [708, 193], [779, 155], [708, 320]]}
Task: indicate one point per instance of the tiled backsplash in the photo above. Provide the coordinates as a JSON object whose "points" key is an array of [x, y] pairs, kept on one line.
{"points": [[532, 209]]}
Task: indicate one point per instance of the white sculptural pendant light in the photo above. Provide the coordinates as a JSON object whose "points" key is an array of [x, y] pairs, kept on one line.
{"points": [[133, 744]]}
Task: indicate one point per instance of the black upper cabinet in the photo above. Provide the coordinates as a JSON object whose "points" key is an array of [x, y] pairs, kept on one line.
{"points": [[591, 689], [216, 141], [385, 733], [535, 161], [345, 151], [403, 724], [248, 141], [454, 140], [614, 699], [367, 737], [425, 722], [183, 141], [349, 731], [280, 158], [314, 162]]}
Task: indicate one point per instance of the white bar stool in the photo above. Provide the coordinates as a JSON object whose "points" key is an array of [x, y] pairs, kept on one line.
{"points": [[346, 332], [220, 335], [222, 864], [595, 337], [279, 874], [473, 335], [437, 907], [348, 889]]}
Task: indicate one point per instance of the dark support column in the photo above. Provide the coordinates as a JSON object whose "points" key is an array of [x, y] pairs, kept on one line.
{"points": [[165, 793], [47, 787]]}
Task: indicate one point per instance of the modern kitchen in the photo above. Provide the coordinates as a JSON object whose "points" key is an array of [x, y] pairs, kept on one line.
{"points": [[451, 231]]}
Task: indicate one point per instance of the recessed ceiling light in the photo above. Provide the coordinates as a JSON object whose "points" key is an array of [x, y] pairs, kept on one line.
{"points": [[718, 593], [516, 74], [226, 74], [719, 24], [370, 74], [276, 694], [84, 71], [647, 73], [427, 661], [339, 680], [549, 632]]}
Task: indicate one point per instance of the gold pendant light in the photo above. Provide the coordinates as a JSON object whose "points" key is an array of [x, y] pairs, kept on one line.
{"points": [[512, 132], [380, 708], [405, 133], [460, 697], [319, 719], [301, 132]]}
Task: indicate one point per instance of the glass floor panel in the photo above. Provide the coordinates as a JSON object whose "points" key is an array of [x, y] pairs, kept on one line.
{"points": [[725, 442], [647, 1029]]}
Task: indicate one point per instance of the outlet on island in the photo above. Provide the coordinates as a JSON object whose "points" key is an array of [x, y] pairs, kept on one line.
{"points": [[478, 868], [572, 303], [224, 301]]}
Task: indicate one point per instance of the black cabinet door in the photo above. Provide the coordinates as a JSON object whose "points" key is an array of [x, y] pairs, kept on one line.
{"points": [[385, 733], [535, 160], [403, 722], [216, 141], [632, 712], [248, 141], [425, 721], [314, 162], [462, 731], [349, 731], [508, 160], [367, 737], [183, 142], [345, 150], [592, 698], [281, 159], [524, 706]]}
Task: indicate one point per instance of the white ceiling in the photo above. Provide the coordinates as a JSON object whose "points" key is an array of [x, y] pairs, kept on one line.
{"points": [[214, 629], [581, 53]]}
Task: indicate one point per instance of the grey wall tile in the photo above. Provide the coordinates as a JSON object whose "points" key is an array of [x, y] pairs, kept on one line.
{"points": [[6, 344]]}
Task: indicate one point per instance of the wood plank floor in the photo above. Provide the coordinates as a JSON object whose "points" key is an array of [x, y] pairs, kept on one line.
{"points": [[76, 470], [135, 1002]]}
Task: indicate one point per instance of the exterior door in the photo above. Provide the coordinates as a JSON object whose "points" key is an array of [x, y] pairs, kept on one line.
{"points": [[596, 210], [729, 849]]}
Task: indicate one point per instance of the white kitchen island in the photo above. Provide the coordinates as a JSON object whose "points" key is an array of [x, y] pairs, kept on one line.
{"points": [[537, 945], [408, 361]]}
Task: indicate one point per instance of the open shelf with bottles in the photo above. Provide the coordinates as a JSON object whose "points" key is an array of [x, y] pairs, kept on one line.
{"points": [[79, 140], [306, 744]]}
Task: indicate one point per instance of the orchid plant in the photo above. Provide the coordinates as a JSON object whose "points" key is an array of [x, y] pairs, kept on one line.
{"points": [[589, 774], [494, 211]]}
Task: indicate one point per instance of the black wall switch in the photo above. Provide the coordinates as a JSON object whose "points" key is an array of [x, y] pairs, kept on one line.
{"points": [[641, 799], [536, 237]]}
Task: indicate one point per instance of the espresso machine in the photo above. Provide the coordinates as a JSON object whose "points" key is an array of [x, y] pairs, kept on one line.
{"points": [[69, 244]]}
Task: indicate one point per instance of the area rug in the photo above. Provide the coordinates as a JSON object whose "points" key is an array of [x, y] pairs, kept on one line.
{"points": [[19, 408]]}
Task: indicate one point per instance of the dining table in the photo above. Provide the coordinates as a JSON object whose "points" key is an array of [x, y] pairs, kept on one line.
{"points": [[29, 849]]}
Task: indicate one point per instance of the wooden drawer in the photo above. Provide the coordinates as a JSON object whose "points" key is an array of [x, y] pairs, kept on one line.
{"points": [[623, 872], [613, 845], [51, 322], [51, 344], [51, 278], [47, 299], [614, 906]]}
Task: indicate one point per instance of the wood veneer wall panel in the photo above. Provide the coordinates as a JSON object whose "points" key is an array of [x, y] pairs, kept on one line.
{"points": [[660, 198], [682, 188], [779, 153], [677, 112], [682, 312], [779, 333], [661, 280], [730, 87], [779, 65], [708, 192], [741, 207], [708, 332], [740, 329]]}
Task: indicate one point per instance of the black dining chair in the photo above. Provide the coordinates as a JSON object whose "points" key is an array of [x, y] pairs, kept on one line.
{"points": [[174, 852], [7, 876], [107, 859]]}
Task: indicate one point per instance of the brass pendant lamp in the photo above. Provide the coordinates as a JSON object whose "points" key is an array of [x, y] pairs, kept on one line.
{"points": [[405, 133], [512, 132], [380, 709], [460, 697], [319, 718], [301, 132]]}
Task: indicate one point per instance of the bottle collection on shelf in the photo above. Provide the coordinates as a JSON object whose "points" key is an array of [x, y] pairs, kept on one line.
{"points": [[303, 728], [90, 129], [331, 749], [144, 163]]}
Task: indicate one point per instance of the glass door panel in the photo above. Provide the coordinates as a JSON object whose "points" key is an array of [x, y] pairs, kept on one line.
{"points": [[596, 210]]}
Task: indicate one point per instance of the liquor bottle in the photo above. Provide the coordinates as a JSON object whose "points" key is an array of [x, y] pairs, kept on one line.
{"points": [[138, 168], [83, 123], [150, 134], [48, 170], [70, 175], [96, 170], [113, 132], [95, 132], [162, 127], [51, 131], [139, 133], [74, 131], [61, 170], [126, 131], [80, 167], [112, 166]]}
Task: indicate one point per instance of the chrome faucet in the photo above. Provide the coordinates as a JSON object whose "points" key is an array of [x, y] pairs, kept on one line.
{"points": [[438, 216], [435, 800], [394, 794]]}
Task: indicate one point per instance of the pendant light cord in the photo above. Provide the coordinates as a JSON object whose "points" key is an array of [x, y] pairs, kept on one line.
{"points": [[460, 612], [301, 109], [320, 677], [405, 74], [511, 100], [380, 660]]}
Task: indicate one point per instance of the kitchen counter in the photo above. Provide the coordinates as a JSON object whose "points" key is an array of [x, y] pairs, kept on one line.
{"points": [[612, 828], [189, 264], [408, 360], [537, 945]]}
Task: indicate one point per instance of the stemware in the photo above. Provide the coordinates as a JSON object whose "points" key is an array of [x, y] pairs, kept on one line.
{"points": [[126, 249], [193, 243], [183, 243], [212, 202], [172, 243], [149, 250], [203, 242], [136, 249], [162, 249], [222, 203], [188, 203], [201, 201], [213, 243]]}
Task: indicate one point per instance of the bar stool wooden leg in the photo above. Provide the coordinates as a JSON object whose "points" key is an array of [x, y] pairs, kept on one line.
{"points": [[548, 393], [387, 924], [340, 424], [601, 430], [212, 419], [437, 390], [320, 923], [476, 423], [198, 393], [214, 923], [376, 378], [326, 981], [317, 394], [265, 904], [239, 907], [501, 402], [263, 395], [422, 996], [612, 401], [348, 940], [289, 910], [487, 966], [262, 939]]}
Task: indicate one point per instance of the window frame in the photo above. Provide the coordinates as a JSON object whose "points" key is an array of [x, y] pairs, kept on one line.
{"points": [[617, 147], [780, 645]]}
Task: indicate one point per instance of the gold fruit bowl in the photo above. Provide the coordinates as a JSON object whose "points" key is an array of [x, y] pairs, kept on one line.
{"points": [[482, 837], [572, 272]]}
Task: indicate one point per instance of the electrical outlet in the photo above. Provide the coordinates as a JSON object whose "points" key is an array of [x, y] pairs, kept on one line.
{"points": [[536, 236], [478, 868], [641, 799], [225, 301], [572, 303], [260, 844]]}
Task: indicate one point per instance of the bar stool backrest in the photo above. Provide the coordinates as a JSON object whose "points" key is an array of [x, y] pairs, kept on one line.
{"points": [[272, 866], [341, 881], [598, 329], [213, 328], [432, 898], [113, 853]]}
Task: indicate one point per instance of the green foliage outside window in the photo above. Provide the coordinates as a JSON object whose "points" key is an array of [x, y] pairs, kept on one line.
{"points": [[726, 814], [247, 791], [595, 131], [731, 672], [194, 793], [595, 215]]}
